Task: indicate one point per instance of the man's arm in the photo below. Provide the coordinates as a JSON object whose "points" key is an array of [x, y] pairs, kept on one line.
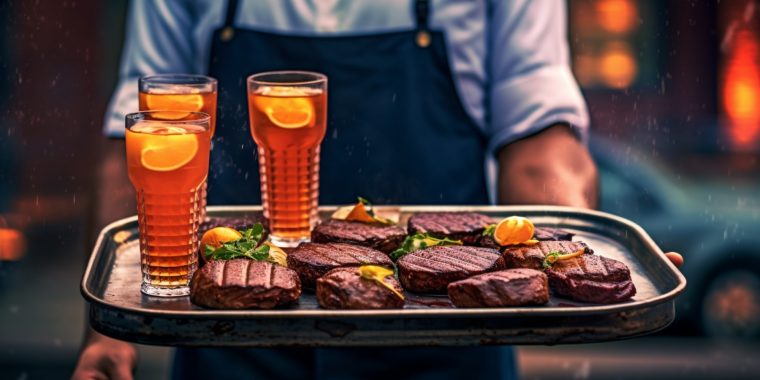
{"points": [[101, 356], [551, 167]]}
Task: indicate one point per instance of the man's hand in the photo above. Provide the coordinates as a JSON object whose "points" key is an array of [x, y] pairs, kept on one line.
{"points": [[105, 358], [551, 168]]}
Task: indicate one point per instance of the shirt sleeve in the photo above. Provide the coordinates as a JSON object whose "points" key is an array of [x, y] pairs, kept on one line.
{"points": [[158, 40], [532, 86]]}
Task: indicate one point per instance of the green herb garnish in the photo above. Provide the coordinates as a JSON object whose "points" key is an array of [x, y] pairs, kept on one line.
{"points": [[420, 241], [550, 259], [490, 229], [554, 256], [247, 246]]}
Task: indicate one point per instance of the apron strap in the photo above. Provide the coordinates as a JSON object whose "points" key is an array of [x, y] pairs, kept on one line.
{"points": [[228, 31], [422, 13]]}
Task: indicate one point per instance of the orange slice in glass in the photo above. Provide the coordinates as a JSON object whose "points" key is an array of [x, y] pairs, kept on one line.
{"points": [[286, 107], [514, 230], [174, 102], [168, 152]]}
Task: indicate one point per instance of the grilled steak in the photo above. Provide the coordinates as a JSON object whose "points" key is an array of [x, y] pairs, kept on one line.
{"points": [[532, 256], [313, 260], [510, 287], [465, 226], [374, 235], [549, 233], [244, 284], [541, 234], [430, 270], [591, 278], [344, 288]]}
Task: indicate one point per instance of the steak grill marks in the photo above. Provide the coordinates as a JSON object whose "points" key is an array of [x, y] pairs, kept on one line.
{"points": [[449, 259], [374, 235]]}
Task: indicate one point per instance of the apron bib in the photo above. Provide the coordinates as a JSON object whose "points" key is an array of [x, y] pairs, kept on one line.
{"points": [[397, 133]]}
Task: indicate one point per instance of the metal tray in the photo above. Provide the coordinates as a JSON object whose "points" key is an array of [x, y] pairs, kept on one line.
{"points": [[111, 285]]}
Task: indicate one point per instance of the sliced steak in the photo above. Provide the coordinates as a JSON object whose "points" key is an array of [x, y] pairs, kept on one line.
{"points": [[344, 288], [464, 226], [244, 284], [510, 287], [591, 278], [532, 256], [379, 236], [313, 260], [430, 270]]}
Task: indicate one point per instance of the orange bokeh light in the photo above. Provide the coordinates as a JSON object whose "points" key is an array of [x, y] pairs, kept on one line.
{"points": [[617, 66], [741, 91], [616, 16]]}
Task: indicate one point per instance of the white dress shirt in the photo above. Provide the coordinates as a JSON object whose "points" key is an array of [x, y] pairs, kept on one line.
{"points": [[509, 58]]}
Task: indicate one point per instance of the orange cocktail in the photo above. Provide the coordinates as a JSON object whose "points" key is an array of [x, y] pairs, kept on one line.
{"points": [[180, 92], [167, 161], [288, 114]]}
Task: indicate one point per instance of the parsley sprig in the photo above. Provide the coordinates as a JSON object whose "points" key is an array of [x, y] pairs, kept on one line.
{"points": [[490, 229], [420, 241], [247, 247]]}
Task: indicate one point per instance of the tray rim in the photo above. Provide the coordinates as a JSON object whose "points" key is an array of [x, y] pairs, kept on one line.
{"points": [[510, 312]]}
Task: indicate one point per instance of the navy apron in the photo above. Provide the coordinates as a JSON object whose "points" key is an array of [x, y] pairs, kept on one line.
{"points": [[397, 133]]}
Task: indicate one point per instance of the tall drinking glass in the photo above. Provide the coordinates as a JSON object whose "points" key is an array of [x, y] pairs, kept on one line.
{"points": [[180, 92], [167, 161], [288, 114]]}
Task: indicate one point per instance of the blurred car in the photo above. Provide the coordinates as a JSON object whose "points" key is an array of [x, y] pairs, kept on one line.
{"points": [[714, 225]]}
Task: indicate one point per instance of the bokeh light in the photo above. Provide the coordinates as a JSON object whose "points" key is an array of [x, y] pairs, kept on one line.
{"points": [[617, 65], [741, 91], [617, 16]]}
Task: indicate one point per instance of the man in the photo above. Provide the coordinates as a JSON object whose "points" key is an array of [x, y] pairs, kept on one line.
{"points": [[423, 98]]}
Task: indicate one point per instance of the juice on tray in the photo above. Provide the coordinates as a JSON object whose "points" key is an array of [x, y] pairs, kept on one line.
{"points": [[288, 123], [167, 162]]}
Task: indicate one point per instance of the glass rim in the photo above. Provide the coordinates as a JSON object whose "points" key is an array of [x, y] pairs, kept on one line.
{"points": [[193, 80], [201, 119], [319, 78]]}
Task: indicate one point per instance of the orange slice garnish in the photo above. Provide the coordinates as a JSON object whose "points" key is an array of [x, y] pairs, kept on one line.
{"points": [[359, 214], [286, 107], [168, 151], [514, 230], [217, 236], [174, 102]]}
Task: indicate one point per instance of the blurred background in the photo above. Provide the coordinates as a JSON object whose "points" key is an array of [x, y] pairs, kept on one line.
{"points": [[674, 92]]}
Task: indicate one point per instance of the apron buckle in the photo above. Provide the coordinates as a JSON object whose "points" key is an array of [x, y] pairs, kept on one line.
{"points": [[227, 34], [423, 38]]}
